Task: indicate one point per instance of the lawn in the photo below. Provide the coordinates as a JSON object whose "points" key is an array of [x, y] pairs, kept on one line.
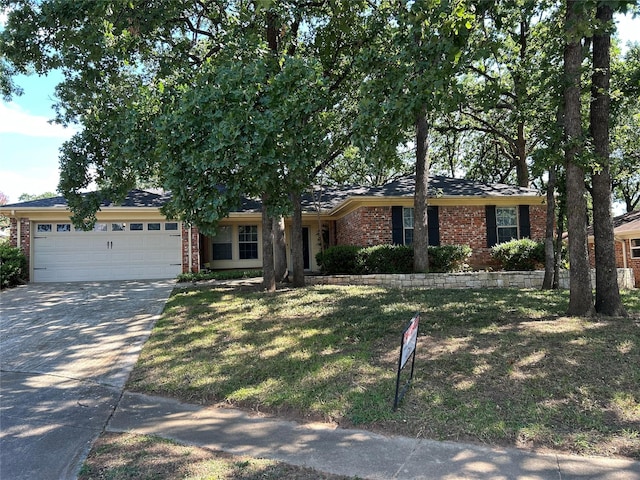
{"points": [[124, 456], [500, 367]]}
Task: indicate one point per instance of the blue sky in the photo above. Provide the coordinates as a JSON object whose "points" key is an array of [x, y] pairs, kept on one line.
{"points": [[29, 144]]}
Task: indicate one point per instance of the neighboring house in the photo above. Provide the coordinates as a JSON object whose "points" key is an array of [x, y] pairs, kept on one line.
{"points": [[134, 240], [626, 234]]}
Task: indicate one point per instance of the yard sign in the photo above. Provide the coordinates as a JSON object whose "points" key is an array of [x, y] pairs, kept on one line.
{"points": [[407, 349]]}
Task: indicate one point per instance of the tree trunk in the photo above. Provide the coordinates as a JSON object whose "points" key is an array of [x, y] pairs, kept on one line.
{"points": [[580, 295], [268, 271], [559, 233], [608, 301], [279, 250], [522, 169], [420, 227], [549, 256], [297, 250]]}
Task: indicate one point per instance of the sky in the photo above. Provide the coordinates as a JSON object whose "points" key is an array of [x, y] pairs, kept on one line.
{"points": [[29, 143]]}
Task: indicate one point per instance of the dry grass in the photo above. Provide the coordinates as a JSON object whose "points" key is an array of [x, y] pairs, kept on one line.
{"points": [[122, 456], [501, 367]]}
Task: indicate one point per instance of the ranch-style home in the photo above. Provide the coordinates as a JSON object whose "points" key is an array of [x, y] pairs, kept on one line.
{"points": [[626, 234], [133, 240]]}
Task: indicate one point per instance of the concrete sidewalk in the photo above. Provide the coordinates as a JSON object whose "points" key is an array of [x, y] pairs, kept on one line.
{"points": [[350, 452]]}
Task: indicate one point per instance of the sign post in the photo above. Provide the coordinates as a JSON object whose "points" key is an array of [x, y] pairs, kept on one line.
{"points": [[407, 349]]}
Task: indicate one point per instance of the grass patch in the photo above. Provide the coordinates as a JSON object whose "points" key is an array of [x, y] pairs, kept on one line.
{"points": [[502, 367], [218, 275], [124, 456]]}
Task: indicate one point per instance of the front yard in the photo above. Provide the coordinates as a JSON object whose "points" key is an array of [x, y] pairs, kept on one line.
{"points": [[501, 367]]}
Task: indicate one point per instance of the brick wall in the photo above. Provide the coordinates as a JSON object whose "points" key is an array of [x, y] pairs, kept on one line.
{"points": [[466, 225], [459, 225], [195, 250], [364, 227], [633, 263]]}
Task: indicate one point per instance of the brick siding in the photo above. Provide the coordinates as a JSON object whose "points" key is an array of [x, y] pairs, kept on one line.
{"points": [[195, 250], [365, 227], [459, 225], [24, 242]]}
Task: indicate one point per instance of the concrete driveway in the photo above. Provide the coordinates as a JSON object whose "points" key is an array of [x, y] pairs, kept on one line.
{"points": [[66, 351]]}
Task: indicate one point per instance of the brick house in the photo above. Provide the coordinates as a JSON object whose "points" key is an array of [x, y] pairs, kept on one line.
{"points": [[135, 241], [626, 234]]}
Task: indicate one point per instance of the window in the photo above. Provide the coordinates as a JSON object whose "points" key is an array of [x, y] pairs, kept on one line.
{"points": [[135, 227], [153, 227], [507, 223], [222, 242], [63, 227], [248, 241], [407, 225], [172, 226], [100, 227], [635, 248], [118, 227], [43, 227]]}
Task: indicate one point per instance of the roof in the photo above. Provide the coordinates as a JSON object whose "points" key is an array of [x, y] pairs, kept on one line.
{"points": [[327, 198], [627, 223], [135, 198], [439, 187]]}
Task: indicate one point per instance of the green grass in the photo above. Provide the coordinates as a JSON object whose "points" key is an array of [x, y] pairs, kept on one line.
{"points": [[503, 367], [124, 456]]}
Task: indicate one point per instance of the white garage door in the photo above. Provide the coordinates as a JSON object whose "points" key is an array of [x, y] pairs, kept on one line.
{"points": [[112, 251]]}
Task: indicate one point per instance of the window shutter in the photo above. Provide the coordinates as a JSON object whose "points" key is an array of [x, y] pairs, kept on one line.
{"points": [[397, 229], [492, 227], [433, 220], [524, 221]]}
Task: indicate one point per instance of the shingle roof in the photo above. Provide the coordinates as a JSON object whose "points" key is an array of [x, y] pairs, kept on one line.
{"points": [[135, 198], [329, 198], [439, 186]]}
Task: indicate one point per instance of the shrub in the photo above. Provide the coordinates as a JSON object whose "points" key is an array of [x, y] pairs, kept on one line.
{"points": [[351, 260], [386, 259], [340, 259], [449, 258], [13, 266], [523, 254]]}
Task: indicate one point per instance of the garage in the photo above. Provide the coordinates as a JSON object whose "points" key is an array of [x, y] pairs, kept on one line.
{"points": [[113, 250]]}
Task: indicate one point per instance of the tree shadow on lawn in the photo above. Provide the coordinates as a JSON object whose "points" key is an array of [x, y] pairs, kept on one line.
{"points": [[497, 367]]}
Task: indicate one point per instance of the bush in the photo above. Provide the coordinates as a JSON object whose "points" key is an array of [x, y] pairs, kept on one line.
{"points": [[340, 259], [524, 254], [352, 260], [13, 266], [449, 258], [386, 259]]}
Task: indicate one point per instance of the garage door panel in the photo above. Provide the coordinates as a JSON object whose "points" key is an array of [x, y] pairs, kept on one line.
{"points": [[110, 255]]}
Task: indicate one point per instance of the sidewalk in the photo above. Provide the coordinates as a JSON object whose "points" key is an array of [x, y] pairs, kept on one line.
{"points": [[350, 452]]}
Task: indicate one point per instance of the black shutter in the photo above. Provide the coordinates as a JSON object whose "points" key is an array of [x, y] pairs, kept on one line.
{"points": [[492, 226], [397, 227], [524, 221], [433, 221]]}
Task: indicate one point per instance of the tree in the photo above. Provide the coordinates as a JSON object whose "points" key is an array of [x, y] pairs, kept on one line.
{"points": [[26, 197], [625, 134], [213, 101], [608, 300], [580, 296], [411, 72]]}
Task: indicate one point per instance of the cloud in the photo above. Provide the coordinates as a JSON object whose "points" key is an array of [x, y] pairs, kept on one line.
{"points": [[15, 120], [32, 181]]}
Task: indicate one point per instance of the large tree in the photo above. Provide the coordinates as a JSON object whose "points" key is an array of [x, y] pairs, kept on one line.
{"points": [[211, 100], [412, 68], [580, 295], [608, 301]]}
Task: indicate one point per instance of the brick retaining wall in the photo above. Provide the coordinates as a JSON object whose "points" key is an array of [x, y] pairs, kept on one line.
{"points": [[460, 280]]}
